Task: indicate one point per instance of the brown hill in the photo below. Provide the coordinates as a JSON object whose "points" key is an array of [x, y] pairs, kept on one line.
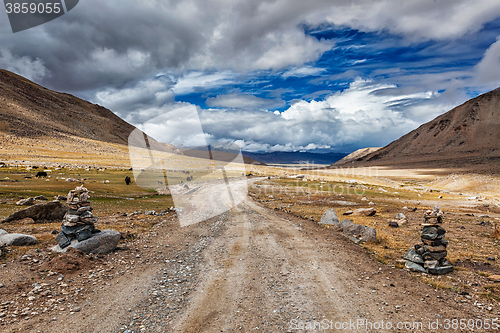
{"points": [[30, 110], [31, 114], [467, 135]]}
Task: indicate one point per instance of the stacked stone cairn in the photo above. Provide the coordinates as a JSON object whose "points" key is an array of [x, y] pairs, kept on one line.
{"points": [[78, 223], [430, 256]]}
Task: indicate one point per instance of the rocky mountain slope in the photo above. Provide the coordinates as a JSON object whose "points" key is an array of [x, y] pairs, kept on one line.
{"points": [[468, 134], [29, 111]]}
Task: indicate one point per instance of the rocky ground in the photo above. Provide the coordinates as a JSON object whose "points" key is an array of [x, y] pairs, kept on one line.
{"points": [[249, 269]]}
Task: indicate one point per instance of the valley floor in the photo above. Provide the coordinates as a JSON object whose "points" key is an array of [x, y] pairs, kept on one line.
{"points": [[266, 265]]}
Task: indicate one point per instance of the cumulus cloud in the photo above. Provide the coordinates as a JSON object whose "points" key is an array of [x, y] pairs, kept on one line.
{"points": [[147, 93], [32, 69], [242, 101], [116, 42], [488, 69], [200, 81], [359, 116]]}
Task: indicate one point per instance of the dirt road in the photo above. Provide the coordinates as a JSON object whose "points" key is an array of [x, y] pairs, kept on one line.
{"points": [[255, 270]]}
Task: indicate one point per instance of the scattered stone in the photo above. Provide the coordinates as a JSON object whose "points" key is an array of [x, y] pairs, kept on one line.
{"points": [[349, 212], [365, 211], [41, 197], [330, 218], [49, 211], [26, 202], [61, 197], [491, 258], [16, 240], [393, 224], [360, 232], [494, 278], [400, 216]]}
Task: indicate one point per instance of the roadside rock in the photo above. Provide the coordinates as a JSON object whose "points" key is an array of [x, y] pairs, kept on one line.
{"points": [[45, 211], [16, 240], [100, 243], [365, 211], [361, 232], [26, 202], [400, 216], [329, 218]]}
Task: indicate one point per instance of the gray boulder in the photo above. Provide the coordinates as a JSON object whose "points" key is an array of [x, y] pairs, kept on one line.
{"points": [[330, 218], [41, 197], [16, 240], [361, 232], [26, 202], [3, 232], [100, 243], [49, 211], [365, 211]]}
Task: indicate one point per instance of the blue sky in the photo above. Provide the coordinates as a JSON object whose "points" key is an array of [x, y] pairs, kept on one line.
{"points": [[268, 75]]}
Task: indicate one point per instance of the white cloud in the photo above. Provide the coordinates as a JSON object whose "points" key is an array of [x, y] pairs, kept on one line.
{"points": [[148, 93], [415, 19], [488, 69], [199, 81], [244, 101], [302, 72], [357, 116], [32, 69]]}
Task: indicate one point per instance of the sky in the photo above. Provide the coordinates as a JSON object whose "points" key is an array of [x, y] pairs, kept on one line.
{"points": [[268, 75]]}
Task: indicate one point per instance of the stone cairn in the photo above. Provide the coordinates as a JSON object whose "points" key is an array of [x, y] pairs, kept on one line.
{"points": [[78, 223], [80, 210], [430, 256]]}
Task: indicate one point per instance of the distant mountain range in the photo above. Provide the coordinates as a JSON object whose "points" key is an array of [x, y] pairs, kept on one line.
{"points": [[466, 135], [295, 157]]}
